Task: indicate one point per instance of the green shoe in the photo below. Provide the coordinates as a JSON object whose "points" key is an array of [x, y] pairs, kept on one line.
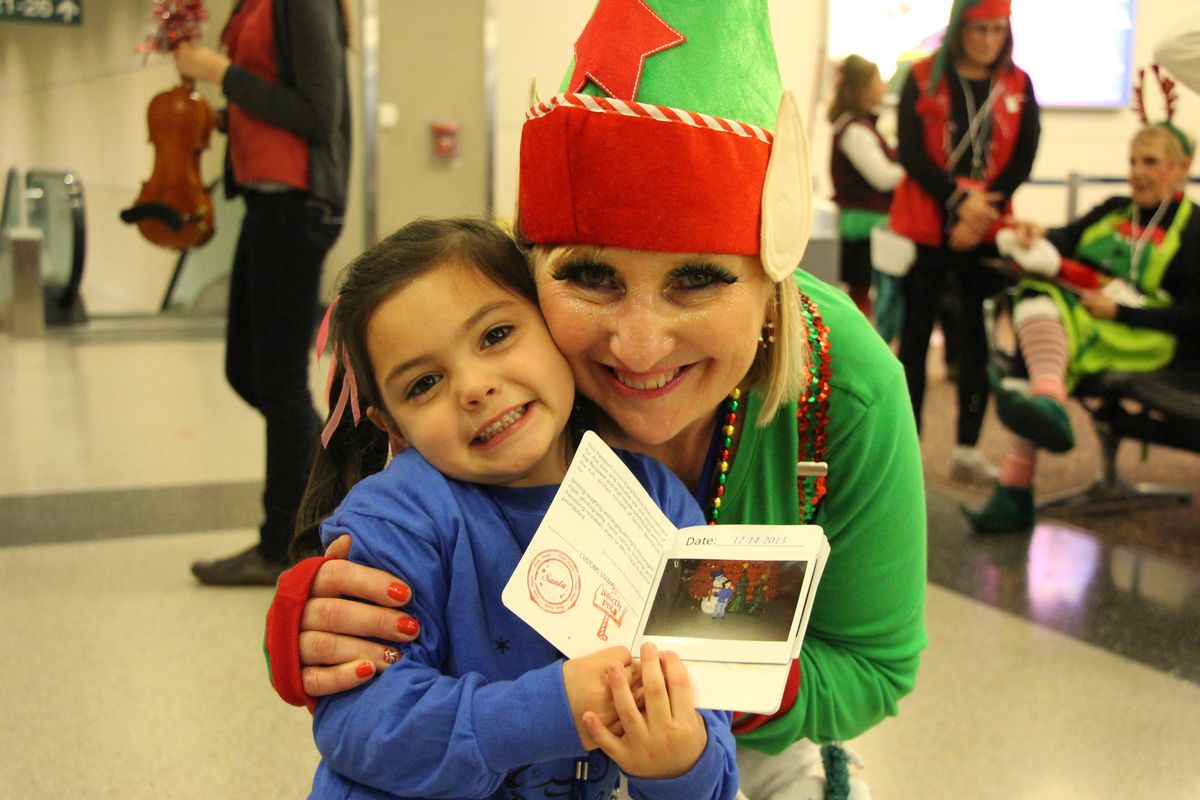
{"points": [[1038, 418], [1009, 509]]}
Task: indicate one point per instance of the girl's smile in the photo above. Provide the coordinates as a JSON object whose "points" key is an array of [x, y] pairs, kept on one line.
{"points": [[499, 428]]}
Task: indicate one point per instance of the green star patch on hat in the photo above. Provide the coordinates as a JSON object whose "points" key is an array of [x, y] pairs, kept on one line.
{"points": [[671, 133]]}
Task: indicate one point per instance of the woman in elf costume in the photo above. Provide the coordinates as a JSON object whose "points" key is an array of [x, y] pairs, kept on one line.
{"points": [[968, 131], [1119, 290], [666, 197]]}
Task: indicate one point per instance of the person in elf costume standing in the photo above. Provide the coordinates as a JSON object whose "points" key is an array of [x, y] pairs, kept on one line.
{"points": [[1116, 290], [666, 197], [968, 131]]}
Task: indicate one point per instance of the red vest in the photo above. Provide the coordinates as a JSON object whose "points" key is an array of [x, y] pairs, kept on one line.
{"points": [[258, 150], [914, 213], [850, 188]]}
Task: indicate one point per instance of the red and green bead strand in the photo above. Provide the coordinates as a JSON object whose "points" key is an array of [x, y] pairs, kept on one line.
{"points": [[729, 423], [812, 416], [812, 411]]}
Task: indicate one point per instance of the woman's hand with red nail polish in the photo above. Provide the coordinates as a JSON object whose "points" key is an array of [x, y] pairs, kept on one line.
{"points": [[336, 629]]}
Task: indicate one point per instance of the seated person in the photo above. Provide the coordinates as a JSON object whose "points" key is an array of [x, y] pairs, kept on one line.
{"points": [[1118, 290]]}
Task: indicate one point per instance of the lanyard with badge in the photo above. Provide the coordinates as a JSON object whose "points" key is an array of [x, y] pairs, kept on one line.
{"points": [[978, 130]]}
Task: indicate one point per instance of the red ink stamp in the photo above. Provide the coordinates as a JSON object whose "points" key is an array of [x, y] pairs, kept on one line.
{"points": [[553, 581], [608, 601]]}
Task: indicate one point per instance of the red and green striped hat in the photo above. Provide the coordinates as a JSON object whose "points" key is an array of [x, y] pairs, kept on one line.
{"points": [[670, 133]]}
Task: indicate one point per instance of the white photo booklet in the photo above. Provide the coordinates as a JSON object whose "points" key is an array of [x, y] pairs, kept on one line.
{"points": [[606, 567]]}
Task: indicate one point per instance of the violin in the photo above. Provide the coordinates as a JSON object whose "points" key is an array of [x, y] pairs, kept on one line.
{"points": [[174, 208]]}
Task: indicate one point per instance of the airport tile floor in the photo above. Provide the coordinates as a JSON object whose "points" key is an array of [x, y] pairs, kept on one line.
{"points": [[1060, 666]]}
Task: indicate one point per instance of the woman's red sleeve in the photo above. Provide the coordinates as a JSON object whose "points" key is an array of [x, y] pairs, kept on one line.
{"points": [[281, 643]]}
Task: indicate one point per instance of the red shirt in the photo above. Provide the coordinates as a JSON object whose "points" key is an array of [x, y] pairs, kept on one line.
{"points": [[259, 151]]}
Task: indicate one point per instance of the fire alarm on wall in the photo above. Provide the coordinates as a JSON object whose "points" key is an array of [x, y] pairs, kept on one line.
{"points": [[445, 140]]}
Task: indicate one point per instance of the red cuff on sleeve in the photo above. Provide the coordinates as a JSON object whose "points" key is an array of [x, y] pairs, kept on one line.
{"points": [[744, 723], [1079, 275], [283, 631]]}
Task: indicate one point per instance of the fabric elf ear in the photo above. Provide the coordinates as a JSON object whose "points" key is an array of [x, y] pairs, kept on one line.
{"points": [[787, 194]]}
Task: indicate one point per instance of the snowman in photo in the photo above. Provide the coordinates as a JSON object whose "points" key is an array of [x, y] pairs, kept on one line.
{"points": [[709, 604]]}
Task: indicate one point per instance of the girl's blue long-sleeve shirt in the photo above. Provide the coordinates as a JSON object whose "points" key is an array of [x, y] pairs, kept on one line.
{"points": [[476, 707]]}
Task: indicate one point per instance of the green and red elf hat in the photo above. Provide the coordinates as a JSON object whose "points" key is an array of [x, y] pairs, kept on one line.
{"points": [[669, 134], [964, 11]]}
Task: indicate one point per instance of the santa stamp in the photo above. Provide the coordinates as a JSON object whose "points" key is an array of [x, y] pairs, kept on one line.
{"points": [[553, 581], [608, 602]]}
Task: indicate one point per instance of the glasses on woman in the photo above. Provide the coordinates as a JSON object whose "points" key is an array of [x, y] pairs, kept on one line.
{"points": [[987, 28]]}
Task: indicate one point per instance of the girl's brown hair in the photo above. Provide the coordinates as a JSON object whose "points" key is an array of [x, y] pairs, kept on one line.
{"points": [[855, 74]]}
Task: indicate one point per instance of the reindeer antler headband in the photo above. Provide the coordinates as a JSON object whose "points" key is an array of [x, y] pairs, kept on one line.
{"points": [[1170, 97]]}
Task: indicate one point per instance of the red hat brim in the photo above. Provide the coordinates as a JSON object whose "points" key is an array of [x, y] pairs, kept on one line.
{"points": [[989, 9], [656, 178]]}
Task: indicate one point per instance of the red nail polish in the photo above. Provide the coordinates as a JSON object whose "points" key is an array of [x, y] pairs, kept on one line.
{"points": [[363, 670], [408, 626], [399, 592]]}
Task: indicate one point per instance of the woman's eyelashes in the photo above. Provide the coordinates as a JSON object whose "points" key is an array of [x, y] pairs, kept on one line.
{"points": [[592, 274], [700, 276], [587, 273]]}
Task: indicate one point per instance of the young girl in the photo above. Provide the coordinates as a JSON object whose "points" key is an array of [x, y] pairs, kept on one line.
{"points": [[438, 334], [864, 171]]}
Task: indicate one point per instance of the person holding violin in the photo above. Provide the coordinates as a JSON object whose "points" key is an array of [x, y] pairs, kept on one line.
{"points": [[283, 73]]}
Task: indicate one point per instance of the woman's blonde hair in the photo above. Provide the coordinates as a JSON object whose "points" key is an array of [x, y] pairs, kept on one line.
{"points": [[785, 366], [779, 369]]}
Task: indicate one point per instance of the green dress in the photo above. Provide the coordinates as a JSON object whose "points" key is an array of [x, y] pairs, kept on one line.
{"points": [[1104, 239]]}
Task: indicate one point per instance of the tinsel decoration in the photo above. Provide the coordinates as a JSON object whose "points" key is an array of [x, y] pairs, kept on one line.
{"points": [[176, 21], [837, 772]]}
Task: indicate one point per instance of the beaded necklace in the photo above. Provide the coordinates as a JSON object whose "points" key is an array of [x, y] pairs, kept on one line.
{"points": [[812, 411], [729, 429], [812, 420]]}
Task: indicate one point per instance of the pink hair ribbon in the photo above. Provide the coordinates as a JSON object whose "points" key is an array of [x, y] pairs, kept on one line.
{"points": [[349, 393]]}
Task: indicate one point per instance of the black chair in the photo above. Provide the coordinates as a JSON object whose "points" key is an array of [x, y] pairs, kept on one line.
{"points": [[1149, 407]]}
